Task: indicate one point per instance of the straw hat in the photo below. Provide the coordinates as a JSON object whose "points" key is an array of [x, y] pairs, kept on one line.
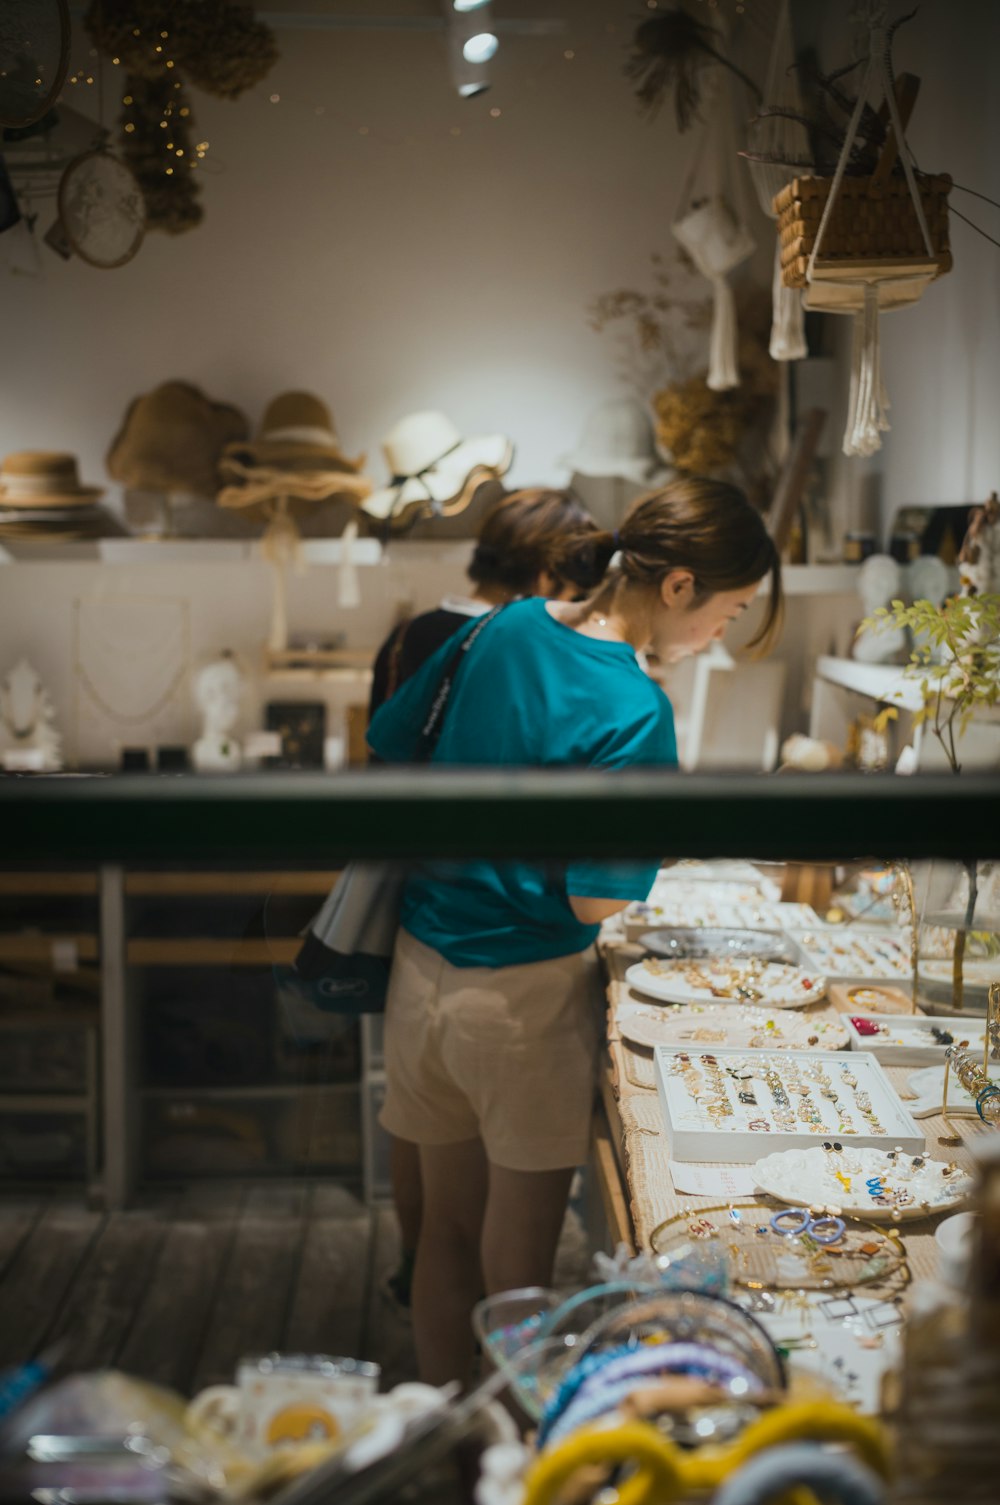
{"points": [[38, 478], [433, 468], [171, 440], [295, 433], [617, 440]]}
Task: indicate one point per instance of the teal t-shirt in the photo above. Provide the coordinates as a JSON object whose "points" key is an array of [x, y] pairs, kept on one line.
{"points": [[532, 693]]}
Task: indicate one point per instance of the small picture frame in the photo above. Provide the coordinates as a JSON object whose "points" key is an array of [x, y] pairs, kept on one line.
{"points": [[301, 724]]}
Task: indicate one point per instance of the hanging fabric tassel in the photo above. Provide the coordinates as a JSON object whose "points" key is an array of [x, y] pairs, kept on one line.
{"points": [[867, 403], [723, 362], [348, 589], [788, 320], [782, 137], [711, 226]]}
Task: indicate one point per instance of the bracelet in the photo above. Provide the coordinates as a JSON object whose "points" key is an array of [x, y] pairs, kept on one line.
{"points": [[825, 1229]]}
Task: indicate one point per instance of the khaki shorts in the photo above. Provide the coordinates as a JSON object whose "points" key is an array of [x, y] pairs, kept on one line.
{"points": [[505, 1054]]}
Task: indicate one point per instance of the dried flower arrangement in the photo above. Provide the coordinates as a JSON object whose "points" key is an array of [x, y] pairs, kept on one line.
{"points": [[704, 432], [217, 45], [171, 202], [825, 119], [672, 51]]}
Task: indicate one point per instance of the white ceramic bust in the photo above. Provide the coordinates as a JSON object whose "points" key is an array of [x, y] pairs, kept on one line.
{"points": [[218, 692], [880, 580], [28, 736]]}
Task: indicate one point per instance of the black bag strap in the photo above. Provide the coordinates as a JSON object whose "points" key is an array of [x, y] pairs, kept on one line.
{"points": [[431, 732]]}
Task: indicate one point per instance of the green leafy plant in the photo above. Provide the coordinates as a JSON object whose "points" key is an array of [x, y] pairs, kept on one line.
{"points": [[956, 658]]}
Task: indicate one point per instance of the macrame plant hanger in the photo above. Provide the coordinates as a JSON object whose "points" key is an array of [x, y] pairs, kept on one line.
{"points": [[712, 227], [779, 136], [861, 286]]}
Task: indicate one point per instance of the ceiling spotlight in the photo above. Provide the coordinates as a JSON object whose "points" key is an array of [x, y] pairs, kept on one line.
{"points": [[480, 48], [472, 44]]}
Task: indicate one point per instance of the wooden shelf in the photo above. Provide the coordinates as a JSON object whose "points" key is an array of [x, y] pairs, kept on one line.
{"points": [[211, 953], [36, 1102], [38, 948], [181, 885], [343, 676], [51, 885], [272, 1090], [49, 1018]]}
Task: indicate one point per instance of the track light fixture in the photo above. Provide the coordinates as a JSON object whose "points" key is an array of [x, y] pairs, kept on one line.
{"points": [[472, 43]]}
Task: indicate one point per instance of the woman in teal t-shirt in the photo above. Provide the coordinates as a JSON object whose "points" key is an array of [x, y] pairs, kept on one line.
{"points": [[494, 1008]]}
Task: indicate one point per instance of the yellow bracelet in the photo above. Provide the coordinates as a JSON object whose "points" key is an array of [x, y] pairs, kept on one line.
{"points": [[657, 1478], [663, 1472]]}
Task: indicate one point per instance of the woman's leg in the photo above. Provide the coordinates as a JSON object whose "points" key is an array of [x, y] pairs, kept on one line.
{"points": [[523, 1220], [447, 1281], [407, 1196]]}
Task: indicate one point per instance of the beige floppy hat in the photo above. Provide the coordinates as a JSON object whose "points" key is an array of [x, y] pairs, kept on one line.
{"points": [[434, 470], [295, 433], [171, 439], [41, 478]]}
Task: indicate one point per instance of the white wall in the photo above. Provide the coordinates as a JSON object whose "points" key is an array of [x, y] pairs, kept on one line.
{"points": [[403, 269]]}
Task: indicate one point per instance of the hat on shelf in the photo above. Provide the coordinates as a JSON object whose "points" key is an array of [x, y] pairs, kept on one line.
{"points": [[43, 479], [434, 470], [295, 433], [617, 440], [296, 457], [171, 440], [41, 498]]}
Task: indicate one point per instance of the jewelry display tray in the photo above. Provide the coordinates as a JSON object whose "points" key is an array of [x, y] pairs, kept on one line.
{"points": [[923, 1049], [743, 1146]]}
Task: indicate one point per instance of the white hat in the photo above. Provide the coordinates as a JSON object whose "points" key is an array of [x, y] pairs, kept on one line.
{"points": [[431, 464], [617, 440]]}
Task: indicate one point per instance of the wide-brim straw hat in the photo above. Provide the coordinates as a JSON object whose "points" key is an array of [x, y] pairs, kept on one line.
{"points": [[172, 438], [37, 479], [433, 468], [296, 433], [617, 440]]}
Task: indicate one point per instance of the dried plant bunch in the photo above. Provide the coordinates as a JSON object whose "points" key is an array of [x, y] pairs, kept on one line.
{"points": [[826, 119], [171, 202], [671, 51], [219, 44]]}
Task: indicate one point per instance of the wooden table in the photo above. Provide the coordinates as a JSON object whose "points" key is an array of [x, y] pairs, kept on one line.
{"points": [[631, 1153]]}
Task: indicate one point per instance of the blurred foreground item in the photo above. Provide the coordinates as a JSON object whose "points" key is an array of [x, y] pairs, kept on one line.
{"points": [[948, 1440]]}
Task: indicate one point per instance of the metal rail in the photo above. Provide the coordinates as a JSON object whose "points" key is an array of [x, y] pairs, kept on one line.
{"points": [[418, 813]]}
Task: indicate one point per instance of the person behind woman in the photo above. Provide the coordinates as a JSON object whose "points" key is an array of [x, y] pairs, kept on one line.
{"points": [[493, 1013], [532, 543], [535, 542]]}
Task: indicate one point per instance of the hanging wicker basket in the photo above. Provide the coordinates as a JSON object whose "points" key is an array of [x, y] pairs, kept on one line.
{"points": [[863, 226]]}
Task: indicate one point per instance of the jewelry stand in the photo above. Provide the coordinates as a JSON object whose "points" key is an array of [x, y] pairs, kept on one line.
{"points": [[903, 872]]}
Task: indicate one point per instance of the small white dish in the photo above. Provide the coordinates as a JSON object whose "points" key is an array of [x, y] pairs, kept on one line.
{"points": [[774, 985], [808, 1178]]}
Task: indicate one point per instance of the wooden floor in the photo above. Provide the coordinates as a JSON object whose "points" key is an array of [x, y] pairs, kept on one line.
{"points": [[180, 1287]]}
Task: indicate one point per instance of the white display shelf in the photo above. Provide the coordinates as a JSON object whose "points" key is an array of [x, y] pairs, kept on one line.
{"points": [[131, 551], [910, 1041], [886, 682], [693, 1138]]}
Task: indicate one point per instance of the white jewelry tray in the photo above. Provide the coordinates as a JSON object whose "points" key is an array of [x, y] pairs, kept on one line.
{"points": [[910, 1042], [852, 954], [691, 1137]]}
